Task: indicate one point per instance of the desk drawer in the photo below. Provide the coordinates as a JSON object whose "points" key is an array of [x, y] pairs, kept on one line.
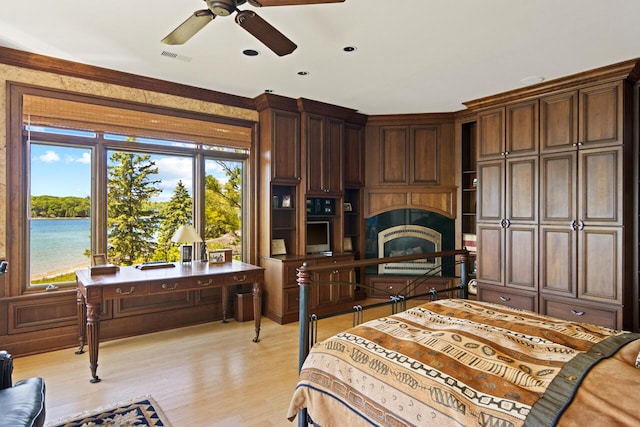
{"points": [[125, 290]]}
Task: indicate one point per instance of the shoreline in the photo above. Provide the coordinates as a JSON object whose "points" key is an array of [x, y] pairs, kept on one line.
{"points": [[59, 272]]}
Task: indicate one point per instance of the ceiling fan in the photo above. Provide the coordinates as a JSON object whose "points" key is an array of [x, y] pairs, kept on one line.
{"points": [[247, 19]]}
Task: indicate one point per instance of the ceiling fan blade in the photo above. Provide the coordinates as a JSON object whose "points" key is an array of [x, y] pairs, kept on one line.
{"points": [[190, 27], [265, 32], [266, 3]]}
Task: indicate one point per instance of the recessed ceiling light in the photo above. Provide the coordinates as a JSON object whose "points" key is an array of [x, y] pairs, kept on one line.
{"points": [[349, 48], [303, 73], [251, 52], [532, 80]]}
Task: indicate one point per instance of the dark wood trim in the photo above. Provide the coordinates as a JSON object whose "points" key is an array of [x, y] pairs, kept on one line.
{"points": [[629, 70], [63, 67]]}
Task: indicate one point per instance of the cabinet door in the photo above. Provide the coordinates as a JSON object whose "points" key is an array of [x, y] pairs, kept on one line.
{"points": [[424, 155], [341, 291], [491, 134], [558, 246], [285, 147], [394, 143], [601, 111], [490, 258], [491, 191], [315, 157], [521, 203], [333, 179], [600, 196], [559, 122], [521, 260], [558, 188], [353, 156], [600, 264], [522, 128]]}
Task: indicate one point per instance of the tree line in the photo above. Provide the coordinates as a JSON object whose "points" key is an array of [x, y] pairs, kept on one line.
{"points": [[140, 229]]}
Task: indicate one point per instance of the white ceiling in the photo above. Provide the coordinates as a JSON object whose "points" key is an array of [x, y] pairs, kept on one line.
{"points": [[413, 56]]}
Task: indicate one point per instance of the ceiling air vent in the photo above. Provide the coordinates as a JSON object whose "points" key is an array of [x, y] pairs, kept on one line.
{"points": [[176, 56]]}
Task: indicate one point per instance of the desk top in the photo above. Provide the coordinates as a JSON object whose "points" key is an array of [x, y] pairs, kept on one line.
{"points": [[131, 274]]}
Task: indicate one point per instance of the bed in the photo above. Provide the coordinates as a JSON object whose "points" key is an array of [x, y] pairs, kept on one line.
{"points": [[458, 362]]}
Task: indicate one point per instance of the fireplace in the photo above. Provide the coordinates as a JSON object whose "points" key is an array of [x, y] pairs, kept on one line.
{"points": [[408, 240], [406, 232]]}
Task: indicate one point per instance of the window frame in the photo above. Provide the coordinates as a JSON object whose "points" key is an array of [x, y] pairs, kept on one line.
{"points": [[18, 163]]}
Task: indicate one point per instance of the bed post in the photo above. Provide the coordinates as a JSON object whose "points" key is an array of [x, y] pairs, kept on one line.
{"points": [[464, 261], [304, 280]]}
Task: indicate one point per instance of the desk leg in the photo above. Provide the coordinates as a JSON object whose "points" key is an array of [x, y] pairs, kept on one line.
{"points": [[257, 308], [93, 331], [82, 321], [225, 303]]}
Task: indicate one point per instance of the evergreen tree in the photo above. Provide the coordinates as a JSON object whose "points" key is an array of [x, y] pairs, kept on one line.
{"points": [[176, 212], [132, 222]]}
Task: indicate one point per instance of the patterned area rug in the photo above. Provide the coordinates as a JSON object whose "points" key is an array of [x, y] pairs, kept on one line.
{"points": [[142, 411]]}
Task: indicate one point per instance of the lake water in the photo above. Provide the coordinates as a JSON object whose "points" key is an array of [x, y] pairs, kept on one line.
{"points": [[59, 244]]}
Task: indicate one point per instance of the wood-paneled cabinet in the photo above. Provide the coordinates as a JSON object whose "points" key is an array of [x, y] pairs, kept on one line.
{"points": [[586, 117], [324, 155], [508, 131], [507, 210], [507, 231], [571, 257], [410, 155], [581, 221], [282, 293], [354, 155], [334, 286]]}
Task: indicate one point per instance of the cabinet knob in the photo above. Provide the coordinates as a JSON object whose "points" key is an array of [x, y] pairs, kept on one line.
{"points": [[573, 225], [580, 225], [505, 299], [577, 313]]}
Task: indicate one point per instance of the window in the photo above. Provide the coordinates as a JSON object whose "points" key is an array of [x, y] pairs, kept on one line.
{"points": [[94, 179]]}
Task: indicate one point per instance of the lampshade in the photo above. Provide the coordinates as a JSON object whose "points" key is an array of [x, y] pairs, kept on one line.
{"points": [[186, 234]]}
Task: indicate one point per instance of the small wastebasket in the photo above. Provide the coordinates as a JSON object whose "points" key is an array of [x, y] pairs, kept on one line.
{"points": [[243, 307]]}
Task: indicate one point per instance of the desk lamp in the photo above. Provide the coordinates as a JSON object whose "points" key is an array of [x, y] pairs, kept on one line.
{"points": [[186, 235]]}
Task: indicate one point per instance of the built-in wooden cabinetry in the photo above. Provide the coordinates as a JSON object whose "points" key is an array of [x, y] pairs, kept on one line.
{"points": [[410, 159], [324, 165], [556, 198]]}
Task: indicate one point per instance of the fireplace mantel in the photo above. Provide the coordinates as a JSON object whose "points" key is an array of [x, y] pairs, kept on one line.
{"points": [[437, 199]]}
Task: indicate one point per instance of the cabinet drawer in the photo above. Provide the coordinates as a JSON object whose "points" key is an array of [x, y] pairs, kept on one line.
{"points": [[119, 291], [383, 287], [576, 311], [508, 297]]}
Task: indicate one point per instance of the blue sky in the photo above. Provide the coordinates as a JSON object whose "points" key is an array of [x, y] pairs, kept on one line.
{"points": [[66, 171]]}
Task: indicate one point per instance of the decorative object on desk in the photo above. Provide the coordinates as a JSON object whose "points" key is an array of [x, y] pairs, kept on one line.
{"points": [[186, 235], [286, 201], [347, 244], [142, 411], [348, 207], [220, 256], [100, 265], [278, 247], [152, 265], [99, 259]]}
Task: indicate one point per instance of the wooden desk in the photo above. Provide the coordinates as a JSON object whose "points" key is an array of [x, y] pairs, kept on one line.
{"points": [[133, 282]]}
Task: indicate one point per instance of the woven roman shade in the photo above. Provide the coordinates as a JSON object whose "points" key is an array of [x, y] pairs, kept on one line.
{"points": [[62, 113]]}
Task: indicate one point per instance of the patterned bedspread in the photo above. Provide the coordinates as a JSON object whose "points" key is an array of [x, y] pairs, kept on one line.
{"points": [[465, 363]]}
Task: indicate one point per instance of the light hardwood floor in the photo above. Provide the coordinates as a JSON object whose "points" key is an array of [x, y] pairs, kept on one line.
{"points": [[204, 375]]}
